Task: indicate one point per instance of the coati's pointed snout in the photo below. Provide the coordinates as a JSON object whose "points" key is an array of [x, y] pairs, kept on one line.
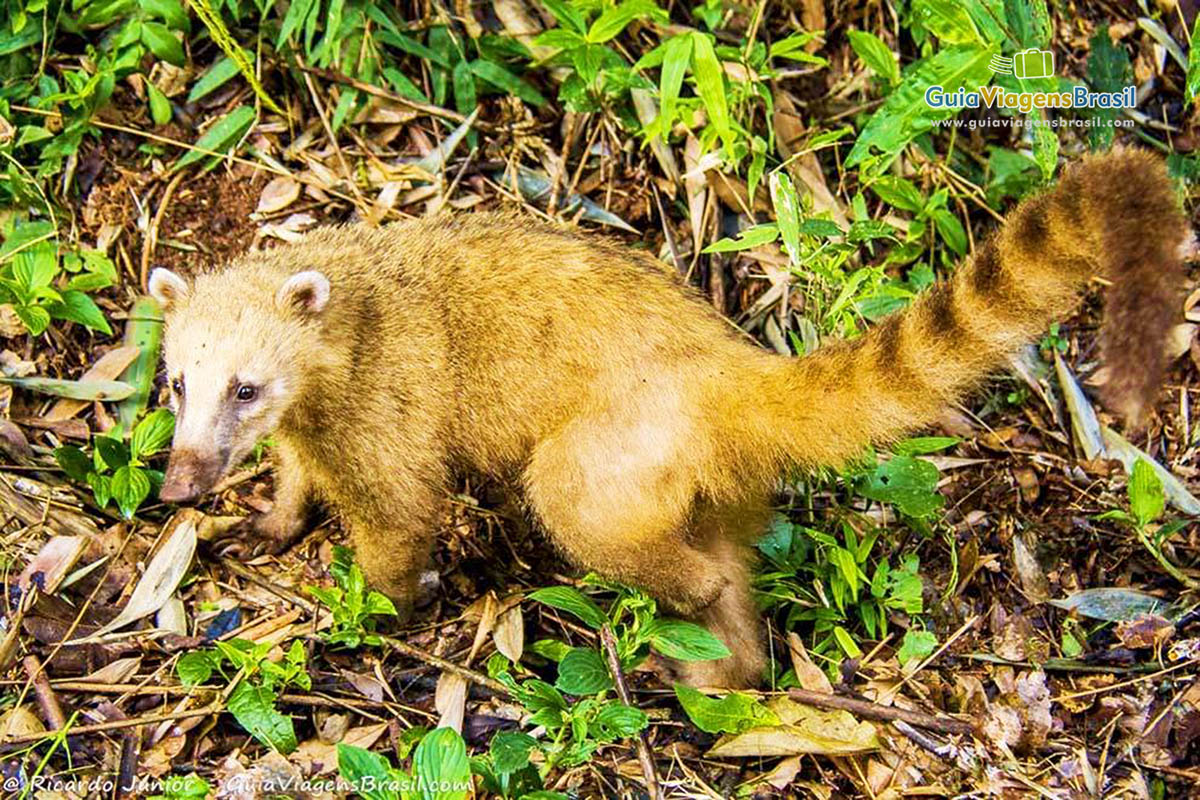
{"points": [[189, 476]]}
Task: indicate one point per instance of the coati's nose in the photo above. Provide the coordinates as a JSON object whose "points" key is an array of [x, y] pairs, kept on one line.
{"points": [[188, 476]]}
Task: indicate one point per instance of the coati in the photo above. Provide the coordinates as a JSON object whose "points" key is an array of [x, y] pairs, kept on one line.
{"points": [[646, 436]]}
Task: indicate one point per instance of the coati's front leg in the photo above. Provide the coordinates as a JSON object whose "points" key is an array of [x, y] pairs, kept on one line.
{"points": [[286, 520]]}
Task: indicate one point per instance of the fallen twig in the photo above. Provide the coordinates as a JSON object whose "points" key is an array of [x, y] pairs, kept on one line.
{"points": [[467, 674], [645, 758], [47, 699], [112, 725], [863, 708]]}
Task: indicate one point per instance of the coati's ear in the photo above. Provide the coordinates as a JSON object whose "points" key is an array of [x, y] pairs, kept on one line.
{"points": [[306, 292], [167, 288]]}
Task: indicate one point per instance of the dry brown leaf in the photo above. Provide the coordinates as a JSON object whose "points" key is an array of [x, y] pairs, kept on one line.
{"points": [[117, 671], [320, 758], [52, 563], [1145, 630], [808, 674], [19, 721], [277, 195], [450, 700], [509, 633], [1033, 579], [107, 368], [696, 186]]}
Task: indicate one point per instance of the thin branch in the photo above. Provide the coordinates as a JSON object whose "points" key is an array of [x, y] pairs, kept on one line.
{"points": [[645, 758]]}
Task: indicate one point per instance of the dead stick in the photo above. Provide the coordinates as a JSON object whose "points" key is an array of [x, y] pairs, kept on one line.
{"points": [[643, 747], [112, 725], [46, 697], [863, 708], [448, 666]]}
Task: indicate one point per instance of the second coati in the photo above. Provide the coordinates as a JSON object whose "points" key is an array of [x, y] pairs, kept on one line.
{"points": [[646, 436]]}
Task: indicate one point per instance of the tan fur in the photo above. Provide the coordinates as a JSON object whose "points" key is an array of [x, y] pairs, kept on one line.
{"points": [[646, 435]]}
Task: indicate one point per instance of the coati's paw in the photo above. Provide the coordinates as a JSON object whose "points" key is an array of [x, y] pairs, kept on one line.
{"points": [[275, 531]]}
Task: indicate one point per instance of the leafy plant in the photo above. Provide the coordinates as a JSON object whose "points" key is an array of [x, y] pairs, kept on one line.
{"points": [[1147, 501], [42, 286], [440, 769], [260, 681], [117, 471], [354, 607], [183, 787]]}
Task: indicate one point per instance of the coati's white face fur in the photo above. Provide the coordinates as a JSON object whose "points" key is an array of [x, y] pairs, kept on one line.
{"points": [[235, 357]]}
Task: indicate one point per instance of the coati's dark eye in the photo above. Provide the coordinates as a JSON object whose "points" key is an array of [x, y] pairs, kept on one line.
{"points": [[177, 386], [245, 393]]}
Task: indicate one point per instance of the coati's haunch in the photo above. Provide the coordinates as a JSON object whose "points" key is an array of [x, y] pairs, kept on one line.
{"points": [[646, 436]]}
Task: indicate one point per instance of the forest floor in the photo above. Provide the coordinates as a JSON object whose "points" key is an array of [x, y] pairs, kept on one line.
{"points": [[1021, 622]]}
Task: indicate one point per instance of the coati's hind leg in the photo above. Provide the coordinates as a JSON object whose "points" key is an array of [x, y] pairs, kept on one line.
{"points": [[726, 532], [285, 522], [615, 500]]}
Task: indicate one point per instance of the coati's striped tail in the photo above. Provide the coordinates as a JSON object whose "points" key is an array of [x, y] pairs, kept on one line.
{"points": [[1113, 216]]}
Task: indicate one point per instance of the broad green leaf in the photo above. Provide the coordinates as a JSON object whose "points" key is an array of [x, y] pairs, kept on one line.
{"points": [[906, 115], [163, 43], [899, 192], [1193, 68], [916, 645], [566, 14], [1146, 498], [787, 213], [617, 720], [677, 54], [35, 318], [153, 433], [510, 750], [710, 85], [582, 672], [846, 642], [569, 599], [614, 19], [685, 641], [254, 709], [440, 761], [1113, 604], [908, 483], [951, 231], [221, 137], [1029, 23], [171, 12], [74, 462], [130, 486], [76, 306], [751, 237], [948, 20], [194, 668], [501, 78], [921, 445], [366, 771], [160, 106], [733, 713], [876, 55]]}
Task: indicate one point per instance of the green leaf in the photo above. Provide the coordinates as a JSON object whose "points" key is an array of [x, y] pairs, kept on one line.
{"points": [[73, 462], [899, 192], [684, 641], [751, 237], [921, 445], [951, 231], [1193, 64], [582, 671], [846, 642], [614, 19], [367, 772], [464, 88], [823, 228], [917, 644], [908, 483], [1113, 604], [153, 433], [733, 713], [194, 669], [617, 720], [876, 55], [160, 106], [571, 600], [221, 137], [566, 14], [510, 750], [948, 20], [254, 709], [906, 115], [441, 761], [113, 452], [169, 11], [221, 72], [502, 79], [35, 318], [677, 54], [163, 43], [1029, 23], [130, 486], [1146, 498], [787, 213], [75, 390], [76, 306], [710, 85]]}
